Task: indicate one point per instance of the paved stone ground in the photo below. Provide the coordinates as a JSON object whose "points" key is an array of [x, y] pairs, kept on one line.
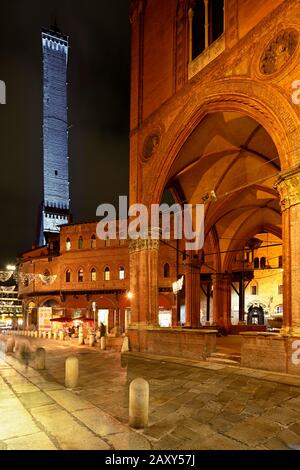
{"points": [[192, 405]]}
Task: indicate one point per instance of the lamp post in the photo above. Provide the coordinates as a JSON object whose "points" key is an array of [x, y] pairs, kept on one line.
{"points": [[94, 307]]}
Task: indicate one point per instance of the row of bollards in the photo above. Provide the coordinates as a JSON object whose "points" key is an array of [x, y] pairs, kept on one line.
{"points": [[138, 389], [60, 335]]}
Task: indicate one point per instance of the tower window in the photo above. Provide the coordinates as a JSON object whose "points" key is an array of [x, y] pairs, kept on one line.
{"points": [[106, 274], [68, 244], [206, 23], [167, 270], [253, 290], [68, 275], [80, 243], [56, 172], [262, 262], [93, 275], [80, 275], [93, 241], [121, 273]]}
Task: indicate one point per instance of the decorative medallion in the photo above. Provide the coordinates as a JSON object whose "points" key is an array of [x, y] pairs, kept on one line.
{"points": [[150, 145], [279, 51]]}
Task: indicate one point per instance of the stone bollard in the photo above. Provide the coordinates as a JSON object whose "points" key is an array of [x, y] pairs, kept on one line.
{"points": [[40, 334], [71, 372], [54, 334], [40, 358], [36, 334], [102, 343], [80, 339], [32, 334], [138, 403], [91, 340], [61, 335], [10, 344], [49, 334]]}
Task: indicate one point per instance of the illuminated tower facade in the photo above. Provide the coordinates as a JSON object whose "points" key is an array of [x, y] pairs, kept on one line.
{"points": [[56, 202]]}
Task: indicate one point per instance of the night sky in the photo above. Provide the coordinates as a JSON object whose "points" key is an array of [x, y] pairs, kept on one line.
{"points": [[98, 94]]}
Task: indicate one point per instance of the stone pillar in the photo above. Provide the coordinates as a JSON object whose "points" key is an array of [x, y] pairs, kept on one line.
{"points": [[288, 186], [222, 299], [143, 256], [192, 292]]}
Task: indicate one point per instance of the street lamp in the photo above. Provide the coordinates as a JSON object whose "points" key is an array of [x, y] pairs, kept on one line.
{"points": [[10, 267], [94, 307]]}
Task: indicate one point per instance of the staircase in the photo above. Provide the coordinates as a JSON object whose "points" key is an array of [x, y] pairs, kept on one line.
{"points": [[231, 359]]}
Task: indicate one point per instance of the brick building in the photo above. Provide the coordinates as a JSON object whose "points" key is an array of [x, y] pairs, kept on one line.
{"points": [[84, 270], [215, 119]]}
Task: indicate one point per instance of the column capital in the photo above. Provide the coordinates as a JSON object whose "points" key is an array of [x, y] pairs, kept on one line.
{"points": [[288, 186], [142, 244]]}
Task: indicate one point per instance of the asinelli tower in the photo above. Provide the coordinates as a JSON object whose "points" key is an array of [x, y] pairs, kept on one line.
{"points": [[56, 202]]}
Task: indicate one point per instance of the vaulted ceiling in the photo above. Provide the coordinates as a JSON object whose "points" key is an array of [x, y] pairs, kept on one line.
{"points": [[232, 155]]}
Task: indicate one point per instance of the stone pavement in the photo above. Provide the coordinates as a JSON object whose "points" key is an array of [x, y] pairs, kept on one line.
{"points": [[192, 405]]}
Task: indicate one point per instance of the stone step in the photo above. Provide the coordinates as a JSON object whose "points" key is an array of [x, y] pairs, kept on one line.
{"points": [[220, 360], [233, 356]]}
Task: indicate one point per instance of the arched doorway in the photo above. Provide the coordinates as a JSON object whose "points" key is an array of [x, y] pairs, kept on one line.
{"points": [[230, 164], [225, 152], [256, 316]]}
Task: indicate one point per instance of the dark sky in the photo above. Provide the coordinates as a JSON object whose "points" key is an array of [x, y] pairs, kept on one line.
{"points": [[99, 61]]}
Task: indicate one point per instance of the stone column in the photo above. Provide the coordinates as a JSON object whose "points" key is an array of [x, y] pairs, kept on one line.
{"points": [[222, 299], [192, 293], [143, 256], [288, 186]]}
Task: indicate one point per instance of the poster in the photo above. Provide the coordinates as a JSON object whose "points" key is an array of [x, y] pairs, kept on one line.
{"points": [[45, 315]]}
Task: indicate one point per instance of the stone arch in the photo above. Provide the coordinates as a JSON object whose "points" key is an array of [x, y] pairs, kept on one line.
{"points": [[236, 243], [50, 302], [262, 102]]}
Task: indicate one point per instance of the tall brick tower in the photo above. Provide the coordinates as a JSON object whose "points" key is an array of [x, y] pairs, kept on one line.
{"points": [[56, 204]]}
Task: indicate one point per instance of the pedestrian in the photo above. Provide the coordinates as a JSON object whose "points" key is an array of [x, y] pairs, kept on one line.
{"points": [[102, 330]]}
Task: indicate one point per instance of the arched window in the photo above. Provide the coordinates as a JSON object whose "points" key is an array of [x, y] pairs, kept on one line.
{"points": [[93, 275], [93, 241], [166, 270], [68, 244], [68, 275], [80, 275], [256, 263], [206, 24], [80, 243], [262, 262], [46, 273], [121, 272], [106, 274]]}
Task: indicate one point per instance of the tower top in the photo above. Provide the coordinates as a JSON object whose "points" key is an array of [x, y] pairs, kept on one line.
{"points": [[55, 31]]}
